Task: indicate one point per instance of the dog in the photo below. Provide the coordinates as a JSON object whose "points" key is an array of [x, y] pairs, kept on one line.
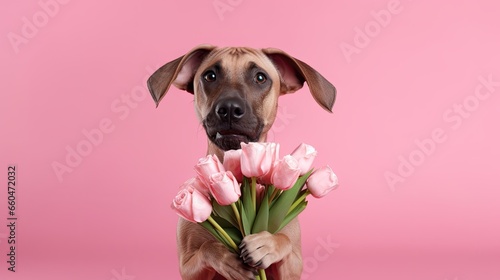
{"points": [[236, 92]]}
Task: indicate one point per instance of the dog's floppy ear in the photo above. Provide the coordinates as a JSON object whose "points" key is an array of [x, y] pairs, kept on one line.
{"points": [[293, 74], [179, 72]]}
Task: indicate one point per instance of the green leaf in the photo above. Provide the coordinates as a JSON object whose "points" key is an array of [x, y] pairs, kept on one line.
{"points": [[247, 226], [262, 218], [247, 204], [222, 222], [211, 229], [245, 184], [224, 212], [295, 212], [271, 190], [215, 233], [235, 234], [280, 207]]}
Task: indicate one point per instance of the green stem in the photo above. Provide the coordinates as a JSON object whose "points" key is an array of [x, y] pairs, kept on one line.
{"points": [[299, 200], [262, 274], [238, 218], [223, 233], [253, 188], [273, 195]]}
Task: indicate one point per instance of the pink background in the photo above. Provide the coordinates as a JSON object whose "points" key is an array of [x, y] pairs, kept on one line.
{"points": [[86, 62]]}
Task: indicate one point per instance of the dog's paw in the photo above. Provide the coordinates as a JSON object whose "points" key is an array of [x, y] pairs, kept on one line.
{"points": [[262, 249], [227, 264]]}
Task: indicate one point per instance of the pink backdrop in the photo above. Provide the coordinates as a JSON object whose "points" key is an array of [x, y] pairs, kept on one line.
{"points": [[413, 138]]}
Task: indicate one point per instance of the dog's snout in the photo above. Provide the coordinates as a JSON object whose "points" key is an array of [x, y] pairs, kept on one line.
{"points": [[230, 108]]}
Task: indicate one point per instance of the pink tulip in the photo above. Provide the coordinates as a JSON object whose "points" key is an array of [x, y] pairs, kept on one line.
{"points": [[322, 181], [274, 150], [232, 162], [198, 184], [207, 166], [192, 205], [266, 178], [224, 188], [285, 173], [257, 158], [305, 155]]}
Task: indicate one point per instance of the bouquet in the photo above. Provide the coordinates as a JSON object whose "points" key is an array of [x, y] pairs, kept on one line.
{"points": [[253, 190]]}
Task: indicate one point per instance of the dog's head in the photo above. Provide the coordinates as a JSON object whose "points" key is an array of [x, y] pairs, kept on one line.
{"points": [[236, 90]]}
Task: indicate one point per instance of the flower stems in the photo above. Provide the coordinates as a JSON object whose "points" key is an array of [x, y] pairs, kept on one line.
{"points": [[224, 234], [238, 218], [262, 274], [273, 195]]}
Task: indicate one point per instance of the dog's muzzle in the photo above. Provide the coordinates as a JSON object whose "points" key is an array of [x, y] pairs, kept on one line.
{"points": [[230, 122]]}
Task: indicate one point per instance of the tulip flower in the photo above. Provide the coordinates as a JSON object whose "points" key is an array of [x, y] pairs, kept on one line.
{"points": [[192, 205], [207, 166], [285, 173], [257, 158], [198, 184], [274, 151], [232, 162], [224, 188], [226, 191], [305, 155], [322, 181]]}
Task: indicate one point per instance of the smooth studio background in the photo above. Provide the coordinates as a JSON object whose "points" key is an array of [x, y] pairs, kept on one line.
{"points": [[72, 67]]}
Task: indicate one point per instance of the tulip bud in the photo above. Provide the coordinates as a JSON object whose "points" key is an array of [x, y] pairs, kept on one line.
{"points": [[207, 166], [224, 188], [285, 173], [305, 155], [192, 205], [232, 162], [257, 158], [322, 181]]}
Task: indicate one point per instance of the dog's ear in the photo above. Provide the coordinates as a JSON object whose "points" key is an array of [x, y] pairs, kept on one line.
{"points": [[179, 72], [294, 72]]}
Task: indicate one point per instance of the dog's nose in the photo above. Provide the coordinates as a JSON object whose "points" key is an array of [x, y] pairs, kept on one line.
{"points": [[230, 108]]}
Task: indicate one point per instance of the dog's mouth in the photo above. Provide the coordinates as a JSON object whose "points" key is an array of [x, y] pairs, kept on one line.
{"points": [[231, 139]]}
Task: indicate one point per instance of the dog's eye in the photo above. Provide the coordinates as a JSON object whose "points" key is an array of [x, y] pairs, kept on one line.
{"points": [[210, 76], [260, 78]]}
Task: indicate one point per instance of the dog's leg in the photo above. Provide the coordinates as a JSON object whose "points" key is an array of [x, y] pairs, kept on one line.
{"points": [[202, 257], [280, 252]]}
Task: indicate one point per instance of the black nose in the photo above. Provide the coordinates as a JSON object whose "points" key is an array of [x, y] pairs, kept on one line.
{"points": [[230, 108]]}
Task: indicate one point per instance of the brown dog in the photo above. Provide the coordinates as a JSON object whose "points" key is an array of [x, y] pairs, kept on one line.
{"points": [[236, 94]]}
